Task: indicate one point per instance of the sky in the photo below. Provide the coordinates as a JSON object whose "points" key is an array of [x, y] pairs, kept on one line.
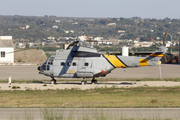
{"points": [[158, 9]]}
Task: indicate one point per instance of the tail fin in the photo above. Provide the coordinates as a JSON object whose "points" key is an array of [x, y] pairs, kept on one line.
{"points": [[155, 57]]}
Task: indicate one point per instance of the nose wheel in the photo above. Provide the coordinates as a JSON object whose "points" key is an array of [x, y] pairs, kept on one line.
{"points": [[53, 81], [84, 82]]}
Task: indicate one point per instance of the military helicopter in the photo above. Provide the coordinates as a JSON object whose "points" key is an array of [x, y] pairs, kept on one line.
{"points": [[77, 61]]}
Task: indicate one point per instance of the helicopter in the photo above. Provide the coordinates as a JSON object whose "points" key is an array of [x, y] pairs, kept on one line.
{"points": [[77, 61]]}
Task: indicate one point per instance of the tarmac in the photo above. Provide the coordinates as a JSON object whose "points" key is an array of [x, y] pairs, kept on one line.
{"points": [[91, 113], [31, 73]]}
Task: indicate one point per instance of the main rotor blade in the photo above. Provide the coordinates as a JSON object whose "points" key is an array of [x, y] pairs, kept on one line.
{"points": [[155, 42], [172, 47], [164, 39], [72, 44]]}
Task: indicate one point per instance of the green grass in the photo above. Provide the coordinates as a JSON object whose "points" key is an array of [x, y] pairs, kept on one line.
{"points": [[15, 87], [141, 97]]}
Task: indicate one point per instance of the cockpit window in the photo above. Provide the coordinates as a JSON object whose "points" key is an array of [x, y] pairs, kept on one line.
{"points": [[49, 61]]}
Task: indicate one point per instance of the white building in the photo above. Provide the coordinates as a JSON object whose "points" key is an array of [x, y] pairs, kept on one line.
{"points": [[110, 24], [6, 49], [57, 21], [27, 26], [121, 31], [55, 27], [66, 31], [98, 38], [51, 38], [5, 37], [82, 38]]}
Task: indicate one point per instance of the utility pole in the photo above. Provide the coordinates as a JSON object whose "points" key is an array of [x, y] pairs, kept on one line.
{"points": [[179, 48], [179, 52], [0, 32]]}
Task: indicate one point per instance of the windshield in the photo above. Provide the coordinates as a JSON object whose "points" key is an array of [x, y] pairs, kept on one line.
{"points": [[49, 61]]}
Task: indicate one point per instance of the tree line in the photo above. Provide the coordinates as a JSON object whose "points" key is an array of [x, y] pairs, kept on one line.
{"points": [[41, 27]]}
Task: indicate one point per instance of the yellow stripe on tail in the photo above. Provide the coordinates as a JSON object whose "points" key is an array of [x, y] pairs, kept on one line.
{"points": [[115, 61], [157, 55]]}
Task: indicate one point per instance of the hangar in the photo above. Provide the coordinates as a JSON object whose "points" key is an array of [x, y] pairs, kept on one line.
{"points": [[6, 50]]}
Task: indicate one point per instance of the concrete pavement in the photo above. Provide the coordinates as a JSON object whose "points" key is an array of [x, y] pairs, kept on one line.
{"points": [[31, 72], [91, 113]]}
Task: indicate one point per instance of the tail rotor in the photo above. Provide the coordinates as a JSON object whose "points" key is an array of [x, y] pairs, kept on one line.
{"points": [[163, 47], [164, 40]]}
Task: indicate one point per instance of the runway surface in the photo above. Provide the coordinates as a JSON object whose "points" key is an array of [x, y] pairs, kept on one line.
{"points": [[79, 113], [31, 72]]}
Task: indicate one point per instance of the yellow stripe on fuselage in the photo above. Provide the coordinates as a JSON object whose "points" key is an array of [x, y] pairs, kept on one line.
{"points": [[157, 55], [114, 61]]}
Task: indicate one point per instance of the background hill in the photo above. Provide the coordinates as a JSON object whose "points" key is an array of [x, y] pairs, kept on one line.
{"points": [[34, 28]]}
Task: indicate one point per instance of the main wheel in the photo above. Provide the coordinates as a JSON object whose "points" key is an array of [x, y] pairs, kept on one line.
{"points": [[53, 81], [94, 81]]}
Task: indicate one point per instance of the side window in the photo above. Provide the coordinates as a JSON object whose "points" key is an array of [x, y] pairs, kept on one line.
{"points": [[2, 54], [74, 64], [50, 63], [62, 63], [86, 64]]}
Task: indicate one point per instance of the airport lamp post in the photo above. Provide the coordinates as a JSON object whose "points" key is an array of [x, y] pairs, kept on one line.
{"points": [[179, 49]]}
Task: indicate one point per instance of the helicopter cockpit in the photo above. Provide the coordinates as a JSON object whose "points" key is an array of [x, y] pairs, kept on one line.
{"points": [[47, 63]]}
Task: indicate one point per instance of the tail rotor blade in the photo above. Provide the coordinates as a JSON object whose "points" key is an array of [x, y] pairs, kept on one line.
{"points": [[165, 58], [164, 39], [155, 42]]}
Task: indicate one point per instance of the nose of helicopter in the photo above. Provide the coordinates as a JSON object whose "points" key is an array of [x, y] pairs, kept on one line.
{"points": [[38, 68]]}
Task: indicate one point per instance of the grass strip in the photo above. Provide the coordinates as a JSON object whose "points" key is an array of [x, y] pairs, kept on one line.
{"points": [[141, 97]]}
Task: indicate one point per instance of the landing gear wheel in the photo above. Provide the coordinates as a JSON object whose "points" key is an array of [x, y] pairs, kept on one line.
{"points": [[53, 81], [84, 82], [94, 81]]}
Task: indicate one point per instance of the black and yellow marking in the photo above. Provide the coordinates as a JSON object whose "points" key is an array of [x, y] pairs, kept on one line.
{"points": [[143, 62], [157, 54], [115, 61]]}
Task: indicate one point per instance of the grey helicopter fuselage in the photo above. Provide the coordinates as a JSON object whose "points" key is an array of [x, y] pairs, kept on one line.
{"points": [[86, 62], [76, 62]]}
